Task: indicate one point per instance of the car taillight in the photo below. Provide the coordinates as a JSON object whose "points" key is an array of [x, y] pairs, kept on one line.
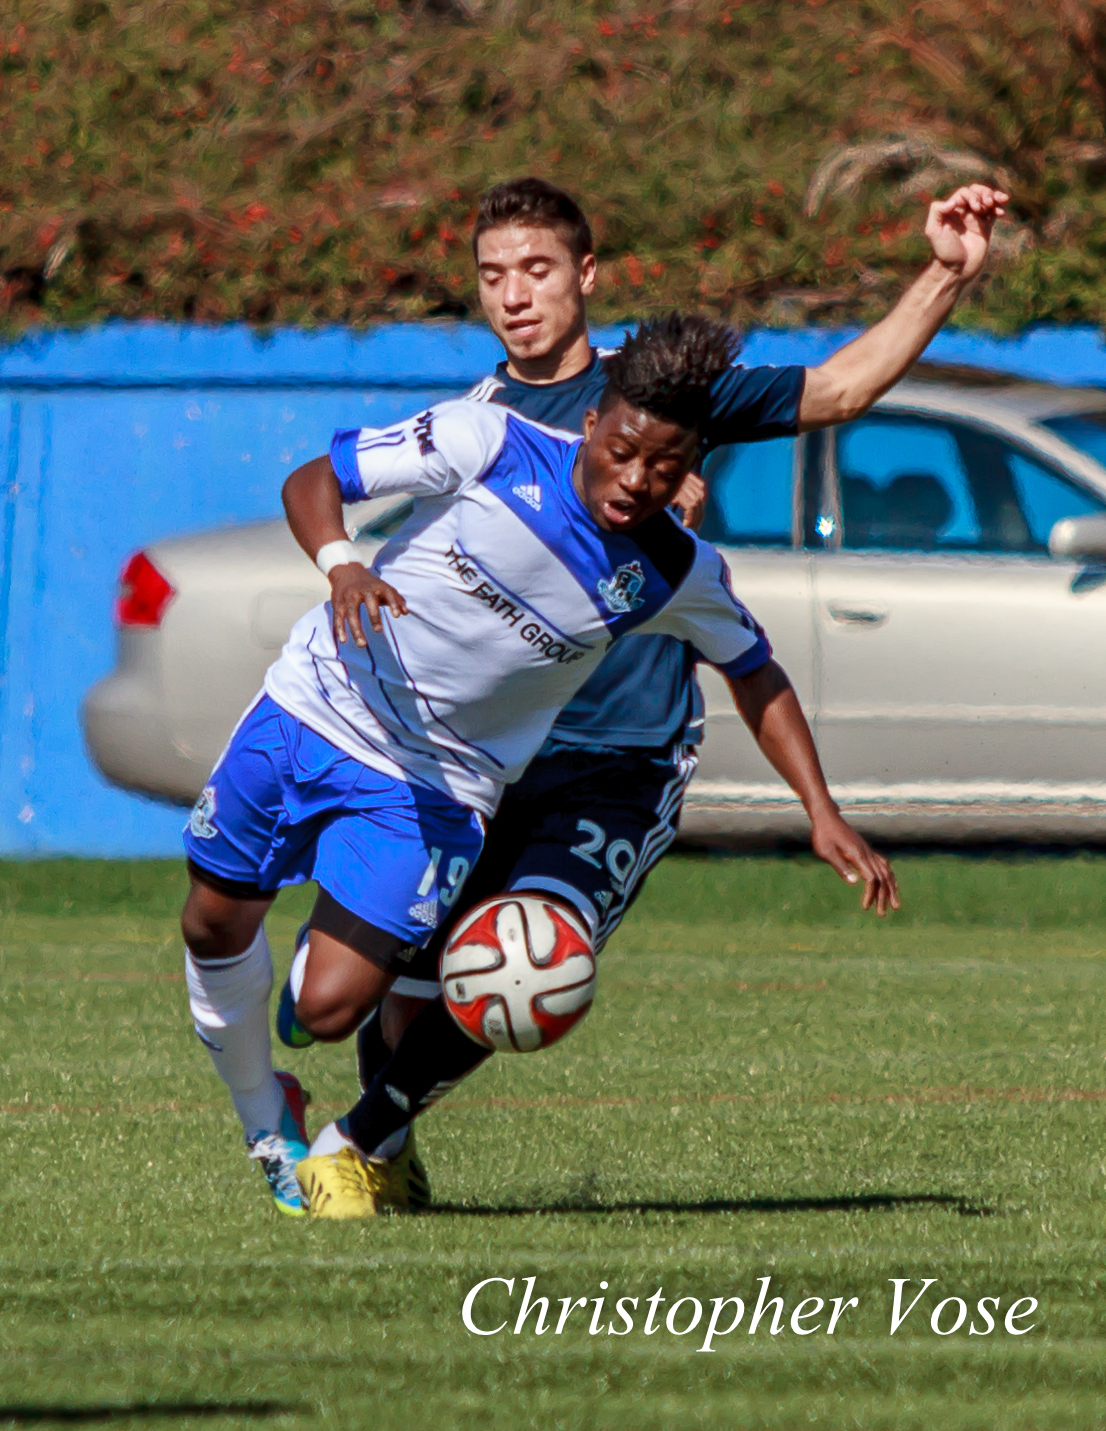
{"points": [[143, 593]]}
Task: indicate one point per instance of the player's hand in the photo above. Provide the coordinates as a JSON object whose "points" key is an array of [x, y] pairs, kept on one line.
{"points": [[353, 586], [959, 227], [854, 859], [692, 501]]}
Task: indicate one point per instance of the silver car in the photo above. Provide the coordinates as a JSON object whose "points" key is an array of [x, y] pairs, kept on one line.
{"points": [[933, 578]]}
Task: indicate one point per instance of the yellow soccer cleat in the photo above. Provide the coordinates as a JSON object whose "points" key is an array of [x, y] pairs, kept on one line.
{"points": [[409, 1171], [344, 1185]]}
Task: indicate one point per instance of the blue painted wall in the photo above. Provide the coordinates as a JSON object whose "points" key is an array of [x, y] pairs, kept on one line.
{"points": [[113, 437]]}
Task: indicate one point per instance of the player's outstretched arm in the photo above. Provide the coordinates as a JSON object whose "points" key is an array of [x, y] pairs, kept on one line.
{"points": [[313, 506], [767, 703], [959, 232]]}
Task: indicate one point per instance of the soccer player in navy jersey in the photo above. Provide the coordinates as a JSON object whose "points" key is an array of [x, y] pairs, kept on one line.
{"points": [[368, 774], [527, 553], [600, 803]]}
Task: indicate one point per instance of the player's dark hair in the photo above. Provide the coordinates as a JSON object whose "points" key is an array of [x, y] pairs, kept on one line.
{"points": [[667, 367], [537, 204]]}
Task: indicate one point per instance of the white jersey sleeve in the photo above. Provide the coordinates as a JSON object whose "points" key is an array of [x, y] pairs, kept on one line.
{"points": [[442, 450], [705, 612]]}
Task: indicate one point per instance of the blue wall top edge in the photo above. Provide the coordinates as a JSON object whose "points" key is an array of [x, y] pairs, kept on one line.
{"points": [[172, 355], [399, 355]]}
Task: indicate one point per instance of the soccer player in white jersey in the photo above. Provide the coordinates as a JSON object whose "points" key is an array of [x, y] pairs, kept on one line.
{"points": [[286, 803], [369, 768], [610, 778]]}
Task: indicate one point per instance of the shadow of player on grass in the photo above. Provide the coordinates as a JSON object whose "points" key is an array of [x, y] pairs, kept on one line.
{"points": [[862, 1203]]}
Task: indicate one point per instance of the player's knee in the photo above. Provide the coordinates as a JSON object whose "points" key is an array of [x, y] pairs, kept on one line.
{"points": [[215, 929], [340, 987], [331, 1005], [206, 941], [203, 939], [327, 1014]]}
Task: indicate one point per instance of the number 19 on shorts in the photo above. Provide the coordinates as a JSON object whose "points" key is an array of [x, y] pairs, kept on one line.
{"points": [[455, 877]]}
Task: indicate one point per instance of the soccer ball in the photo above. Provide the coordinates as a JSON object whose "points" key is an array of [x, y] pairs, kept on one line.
{"points": [[518, 972]]}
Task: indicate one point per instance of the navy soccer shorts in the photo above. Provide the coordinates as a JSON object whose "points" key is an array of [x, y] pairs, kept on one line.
{"points": [[284, 805], [582, 825]]}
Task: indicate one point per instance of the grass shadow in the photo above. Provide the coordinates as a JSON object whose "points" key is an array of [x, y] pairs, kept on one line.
{"points": [[862, 1203], [150, 1410]]}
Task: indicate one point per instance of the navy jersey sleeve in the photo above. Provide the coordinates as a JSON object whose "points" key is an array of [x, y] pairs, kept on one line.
{"points": [[754, 404]]}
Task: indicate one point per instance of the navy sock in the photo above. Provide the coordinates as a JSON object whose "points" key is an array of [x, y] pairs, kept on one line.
{"points": [[372, 1052], [432, 1056]]}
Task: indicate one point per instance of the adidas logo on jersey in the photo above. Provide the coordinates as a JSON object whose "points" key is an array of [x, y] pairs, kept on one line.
{"points": [[530, 494], [425, 911]]}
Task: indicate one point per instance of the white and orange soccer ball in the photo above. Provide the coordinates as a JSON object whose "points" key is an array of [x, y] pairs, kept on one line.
{"points": [[518, 972]]}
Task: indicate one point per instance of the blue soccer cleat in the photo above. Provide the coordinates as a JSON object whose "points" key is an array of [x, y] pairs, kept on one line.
{"points": [[290, 1031], [280, 1151]]}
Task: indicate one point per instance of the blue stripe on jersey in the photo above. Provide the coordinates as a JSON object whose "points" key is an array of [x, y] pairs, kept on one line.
{"points": [[623, 584], [750, 660], [343, 458], [643, 693], [381, 439]]}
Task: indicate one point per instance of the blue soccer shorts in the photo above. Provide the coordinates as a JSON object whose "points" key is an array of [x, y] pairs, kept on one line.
{"points": [[284, 805]]}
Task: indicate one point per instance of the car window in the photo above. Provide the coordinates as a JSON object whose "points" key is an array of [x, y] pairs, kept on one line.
{"points": [[387, 524], [1085, 430], [917, 484], [904, 486], [1047, 498], [750, 486]]}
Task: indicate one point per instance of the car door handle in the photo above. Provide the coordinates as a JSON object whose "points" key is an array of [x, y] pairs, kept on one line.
{"points": [[858, 615]]}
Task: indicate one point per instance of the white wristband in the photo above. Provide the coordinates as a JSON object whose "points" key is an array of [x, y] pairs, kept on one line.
{"points": [[333, 554]]}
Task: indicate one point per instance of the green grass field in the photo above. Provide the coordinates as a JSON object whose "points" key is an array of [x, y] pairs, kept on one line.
{"points": [[769, 1086]]}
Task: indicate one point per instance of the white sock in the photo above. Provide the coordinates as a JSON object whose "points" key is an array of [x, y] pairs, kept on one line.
{"points": [[298, 970], [333, 1140], [229, 999], [330, 1140]]}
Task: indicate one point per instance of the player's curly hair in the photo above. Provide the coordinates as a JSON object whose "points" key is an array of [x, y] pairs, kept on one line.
{"points": [[667, 367]]}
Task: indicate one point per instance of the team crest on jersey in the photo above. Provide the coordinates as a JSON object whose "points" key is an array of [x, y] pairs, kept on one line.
{"points": [[530, 494], [622, 592], [201, 821]]}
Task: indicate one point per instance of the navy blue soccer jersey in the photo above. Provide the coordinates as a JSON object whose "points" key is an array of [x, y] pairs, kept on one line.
{"points": [[644, 693]]}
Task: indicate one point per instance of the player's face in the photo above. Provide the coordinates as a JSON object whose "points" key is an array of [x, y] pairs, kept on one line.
{"points": [[532, 289], [631, 465]]}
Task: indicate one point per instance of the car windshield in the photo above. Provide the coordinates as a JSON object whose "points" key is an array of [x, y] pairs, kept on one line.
{"points": [[1085, 430]]}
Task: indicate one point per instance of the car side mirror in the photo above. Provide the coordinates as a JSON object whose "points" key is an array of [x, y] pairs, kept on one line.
{"points": [[1079, 537]]}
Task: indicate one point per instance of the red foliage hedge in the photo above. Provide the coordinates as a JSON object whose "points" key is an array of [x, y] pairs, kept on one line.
{"points": [[311, 162]]}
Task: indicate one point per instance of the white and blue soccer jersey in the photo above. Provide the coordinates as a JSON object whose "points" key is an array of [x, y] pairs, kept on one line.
{"points": [[644, 694], [514, 594]]}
